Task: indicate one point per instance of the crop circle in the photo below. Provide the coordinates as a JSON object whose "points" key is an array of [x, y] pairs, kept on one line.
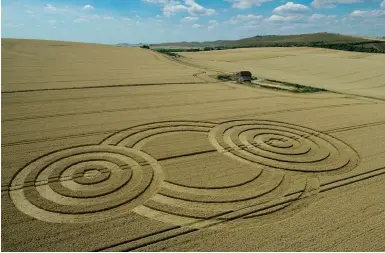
{"points": [[85, 184], [282, 146]]}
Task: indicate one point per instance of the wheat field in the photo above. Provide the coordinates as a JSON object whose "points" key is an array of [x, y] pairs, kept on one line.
{"points": [[110, 148], [340, 71]]}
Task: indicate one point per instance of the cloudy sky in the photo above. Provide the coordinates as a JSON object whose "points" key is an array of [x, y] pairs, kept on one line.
{"points": [[153, 21]]}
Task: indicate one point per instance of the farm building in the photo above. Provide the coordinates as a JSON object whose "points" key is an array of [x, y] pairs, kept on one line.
{"points": [[243, 76]]}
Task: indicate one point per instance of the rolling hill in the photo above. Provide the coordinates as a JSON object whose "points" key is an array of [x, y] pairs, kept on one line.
{"points": [[323, 40]]}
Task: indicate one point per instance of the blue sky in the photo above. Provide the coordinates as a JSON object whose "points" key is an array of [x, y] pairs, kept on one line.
{"points": [[154, 21]]}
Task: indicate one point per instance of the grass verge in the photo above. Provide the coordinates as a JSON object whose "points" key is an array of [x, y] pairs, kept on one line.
{"points": [[272, 84]]}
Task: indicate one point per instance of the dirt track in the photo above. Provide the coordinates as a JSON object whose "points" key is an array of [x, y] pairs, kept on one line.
{"points": [[167, 159]]}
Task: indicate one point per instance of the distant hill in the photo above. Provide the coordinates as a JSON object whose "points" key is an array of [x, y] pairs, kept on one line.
{"points": [[323, 40], [129, 45]]}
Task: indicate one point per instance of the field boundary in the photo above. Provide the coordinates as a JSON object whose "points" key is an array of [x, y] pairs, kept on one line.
{"points": [[100, 87]]}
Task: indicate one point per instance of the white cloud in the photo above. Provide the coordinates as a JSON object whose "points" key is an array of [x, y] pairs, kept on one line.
{"points": [[52, 21], [31, 12], [213, 22], [126, 19], [88, 7], [189, 19], [321, 17], [79, 20], [276, 18], [316, 17], [280, 19], [243, 18], [254, 23], [49, 7], [171, 7], [291, 8], [367, 14], [382, 5], [156, 1], [245, 4], [13, 25], [196, 26], [321, 20], [196, 9], [108, 18], [332, 3]]}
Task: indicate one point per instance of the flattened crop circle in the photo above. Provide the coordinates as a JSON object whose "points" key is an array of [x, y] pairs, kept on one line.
{"points": [[86, 184], [136, 137], [282, 146]]}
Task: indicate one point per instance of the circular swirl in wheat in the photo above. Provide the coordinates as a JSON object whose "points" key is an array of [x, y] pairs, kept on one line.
{"points": [[98, 182], [85, 184], [282, 146]]}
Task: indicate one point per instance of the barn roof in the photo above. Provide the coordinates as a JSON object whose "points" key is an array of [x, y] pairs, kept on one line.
{"points": [[244, 73]]}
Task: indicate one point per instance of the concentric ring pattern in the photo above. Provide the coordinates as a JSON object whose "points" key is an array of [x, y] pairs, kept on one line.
{"points": [[198, 207], [85, 184], [186, 205], [98, 182], [135, 137], [282, 146]]}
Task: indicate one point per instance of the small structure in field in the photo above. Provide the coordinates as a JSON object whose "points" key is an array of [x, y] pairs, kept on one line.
{"points": [[244, 76]]}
